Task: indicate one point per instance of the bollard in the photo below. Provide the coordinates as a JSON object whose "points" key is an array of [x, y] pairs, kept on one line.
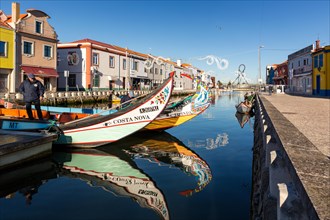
{"points": [[289, 205], [18, 96], [273, 174], [265, 128]]}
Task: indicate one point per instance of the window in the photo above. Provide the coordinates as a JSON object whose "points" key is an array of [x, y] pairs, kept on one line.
{"points": [[298, 62], [316, 61], [124, 64], [27, 48], [135, 65], [96, 81], [3, 49], [39, 27], [112, 61], [3, 83], [320, 60], [48, 51], [161, 71], [72, 80], [156, 70], [305, 62], [95, 59]]}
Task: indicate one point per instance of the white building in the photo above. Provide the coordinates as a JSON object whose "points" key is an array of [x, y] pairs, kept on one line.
{"points": [[300, 70], [97, 65]]}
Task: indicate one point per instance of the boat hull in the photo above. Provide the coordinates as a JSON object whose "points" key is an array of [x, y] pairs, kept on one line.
{"points": [[99, 129], [174, 119], [23, 124], [242, 108], [189, 110]]}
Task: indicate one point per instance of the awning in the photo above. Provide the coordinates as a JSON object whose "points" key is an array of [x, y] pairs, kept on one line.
{"points": [[40, 71]]}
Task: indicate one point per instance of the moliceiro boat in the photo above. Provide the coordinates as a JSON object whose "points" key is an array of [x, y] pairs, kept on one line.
{"points": [[181, 111], [99, 129]]}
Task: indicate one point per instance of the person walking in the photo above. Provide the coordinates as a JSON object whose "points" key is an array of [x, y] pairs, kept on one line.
{"points": [[33, 91]]}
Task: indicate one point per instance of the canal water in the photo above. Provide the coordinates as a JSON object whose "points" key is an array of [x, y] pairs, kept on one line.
{"points": [[199, 170]]}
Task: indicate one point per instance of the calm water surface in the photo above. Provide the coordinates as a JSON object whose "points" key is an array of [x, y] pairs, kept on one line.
{"points": [[199, 170]]}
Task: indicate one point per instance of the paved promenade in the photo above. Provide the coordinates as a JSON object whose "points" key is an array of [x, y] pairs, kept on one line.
{"points": [[310, 115]]}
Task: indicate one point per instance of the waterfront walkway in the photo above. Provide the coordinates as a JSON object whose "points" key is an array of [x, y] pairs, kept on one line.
{"points": [[310, 115], [292, 145]]}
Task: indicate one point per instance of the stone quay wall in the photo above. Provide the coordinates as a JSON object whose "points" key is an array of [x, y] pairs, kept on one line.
{"points": [[286, 167], [85, 97]]}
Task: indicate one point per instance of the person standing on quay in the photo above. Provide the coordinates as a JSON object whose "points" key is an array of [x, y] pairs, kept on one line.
{"points": [[33, 91]]}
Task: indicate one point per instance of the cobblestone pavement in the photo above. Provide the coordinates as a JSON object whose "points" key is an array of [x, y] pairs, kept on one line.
{"points": [[310, 115]]}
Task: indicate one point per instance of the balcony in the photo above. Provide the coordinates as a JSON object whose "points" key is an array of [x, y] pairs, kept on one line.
{"points": [[302, 70]]}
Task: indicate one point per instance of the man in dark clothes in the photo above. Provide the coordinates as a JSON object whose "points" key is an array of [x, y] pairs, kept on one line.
{"points": [[33, 91], [124, 100]]}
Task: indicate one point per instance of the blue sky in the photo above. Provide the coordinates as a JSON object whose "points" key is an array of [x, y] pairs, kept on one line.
{"points": [[191, 30]]}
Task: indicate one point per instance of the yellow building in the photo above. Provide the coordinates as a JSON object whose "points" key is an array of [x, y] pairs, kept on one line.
{"points": [[321, 71], [7, 76]]}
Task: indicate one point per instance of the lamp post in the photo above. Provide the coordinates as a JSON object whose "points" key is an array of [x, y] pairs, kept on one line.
{"points": [[66, 75], [259, 62]]}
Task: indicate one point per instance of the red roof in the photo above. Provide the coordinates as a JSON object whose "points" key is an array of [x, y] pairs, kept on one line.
{"points": [[121, 49], [40, 71], [21, 16], [4, 24]]}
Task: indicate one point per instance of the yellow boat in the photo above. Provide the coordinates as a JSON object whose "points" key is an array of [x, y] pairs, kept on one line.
{"points": [[181, 111]]}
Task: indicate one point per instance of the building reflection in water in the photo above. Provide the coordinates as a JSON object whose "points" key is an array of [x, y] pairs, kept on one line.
{"points": [[220, 140]]}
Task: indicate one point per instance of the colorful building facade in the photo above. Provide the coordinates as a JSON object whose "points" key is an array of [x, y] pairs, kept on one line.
{"points": [[90, 64], [270, 72], [36, 46], [7, 51], [300, 70], [321, 71], [281, 74]]}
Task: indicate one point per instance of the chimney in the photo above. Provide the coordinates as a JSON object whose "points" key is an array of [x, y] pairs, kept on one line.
{"points": [[15, 12], [178, 62], [317, 44], [3, 17]]}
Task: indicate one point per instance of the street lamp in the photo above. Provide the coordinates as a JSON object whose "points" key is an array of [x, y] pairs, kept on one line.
{"points": [[66, 75], [259, 62]]}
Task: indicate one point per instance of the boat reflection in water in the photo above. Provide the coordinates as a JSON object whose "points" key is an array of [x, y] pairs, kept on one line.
{"points": [[163, 148], [243, 118], [114, 172]]}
